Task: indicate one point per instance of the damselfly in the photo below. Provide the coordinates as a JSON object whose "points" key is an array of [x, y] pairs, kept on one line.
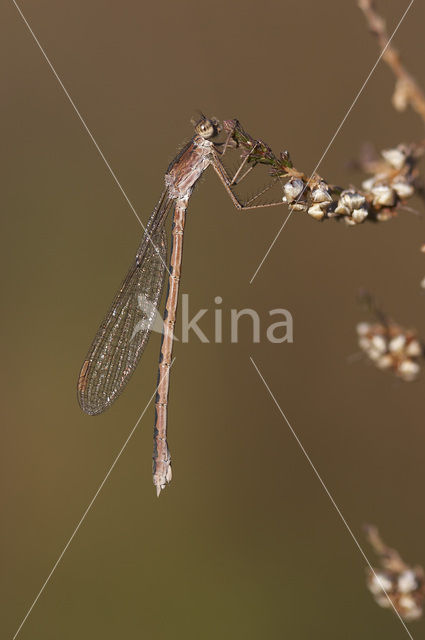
{"points": [[122, 337]]}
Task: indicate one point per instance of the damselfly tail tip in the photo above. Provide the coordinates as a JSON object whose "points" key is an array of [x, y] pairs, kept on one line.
{"points": [[160, 486], [161, 480]]}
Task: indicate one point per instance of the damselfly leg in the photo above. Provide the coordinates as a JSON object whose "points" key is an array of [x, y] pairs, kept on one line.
{"points": [[254, 153]]}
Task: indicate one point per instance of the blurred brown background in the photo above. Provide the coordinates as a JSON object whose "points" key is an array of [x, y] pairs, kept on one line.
{"points": [[244, 543]]}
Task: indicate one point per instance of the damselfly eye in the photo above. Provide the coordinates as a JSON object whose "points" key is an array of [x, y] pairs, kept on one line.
{"points": [[205, 128]]}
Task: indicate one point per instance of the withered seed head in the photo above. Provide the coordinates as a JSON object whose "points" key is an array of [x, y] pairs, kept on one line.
{"points": [[395, 157], [293, 188], [383, 195]]}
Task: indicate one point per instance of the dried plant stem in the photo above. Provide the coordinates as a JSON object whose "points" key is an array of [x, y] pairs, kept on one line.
{"points": [[407, 90], [390, 558], [392, 183]]}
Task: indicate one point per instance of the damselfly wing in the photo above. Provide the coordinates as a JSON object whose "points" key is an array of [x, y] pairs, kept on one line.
{"points": [[124, 333]]}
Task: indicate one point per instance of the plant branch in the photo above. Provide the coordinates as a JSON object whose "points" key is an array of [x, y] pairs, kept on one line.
{"points": [[407, 90], [393, 181]]}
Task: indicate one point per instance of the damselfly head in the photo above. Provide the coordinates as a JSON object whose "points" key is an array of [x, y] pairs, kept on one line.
{"points": [[207, 127]]}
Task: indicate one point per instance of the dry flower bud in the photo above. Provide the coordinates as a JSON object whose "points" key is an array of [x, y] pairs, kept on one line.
{"points": [[363, 328], [403, 188], [293, 188], [316, 211], [397, 343], [379, 582], [352, 200], [407, 581], [408, 370], [401, 94], [374, 354], [395, 157], [379, 343], [368, 184], [384, 215], [414, 349], [364, 343], [385, 362], [321, 193], [342, 209], [359, 215], [383, 601], [299, 206], [409, 608], [349, 221], [384, 196]]}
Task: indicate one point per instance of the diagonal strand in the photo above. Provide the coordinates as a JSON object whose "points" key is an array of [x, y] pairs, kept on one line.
{"points": [[83, 122], [83, 517], [334, 504]]}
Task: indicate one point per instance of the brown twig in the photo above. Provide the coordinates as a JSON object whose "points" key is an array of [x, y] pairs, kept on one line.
{"points": [[407, 90], [390, 558], [393, 181]]}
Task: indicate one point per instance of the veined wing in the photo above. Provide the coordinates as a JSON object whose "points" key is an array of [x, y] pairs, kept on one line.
{"points": [[123, 335]]}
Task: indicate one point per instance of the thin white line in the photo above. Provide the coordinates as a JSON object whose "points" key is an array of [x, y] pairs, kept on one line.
{"points": [[85, 125], [333, 137], [274, 240], [329, 494], [77, 112], [86, 511]]}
